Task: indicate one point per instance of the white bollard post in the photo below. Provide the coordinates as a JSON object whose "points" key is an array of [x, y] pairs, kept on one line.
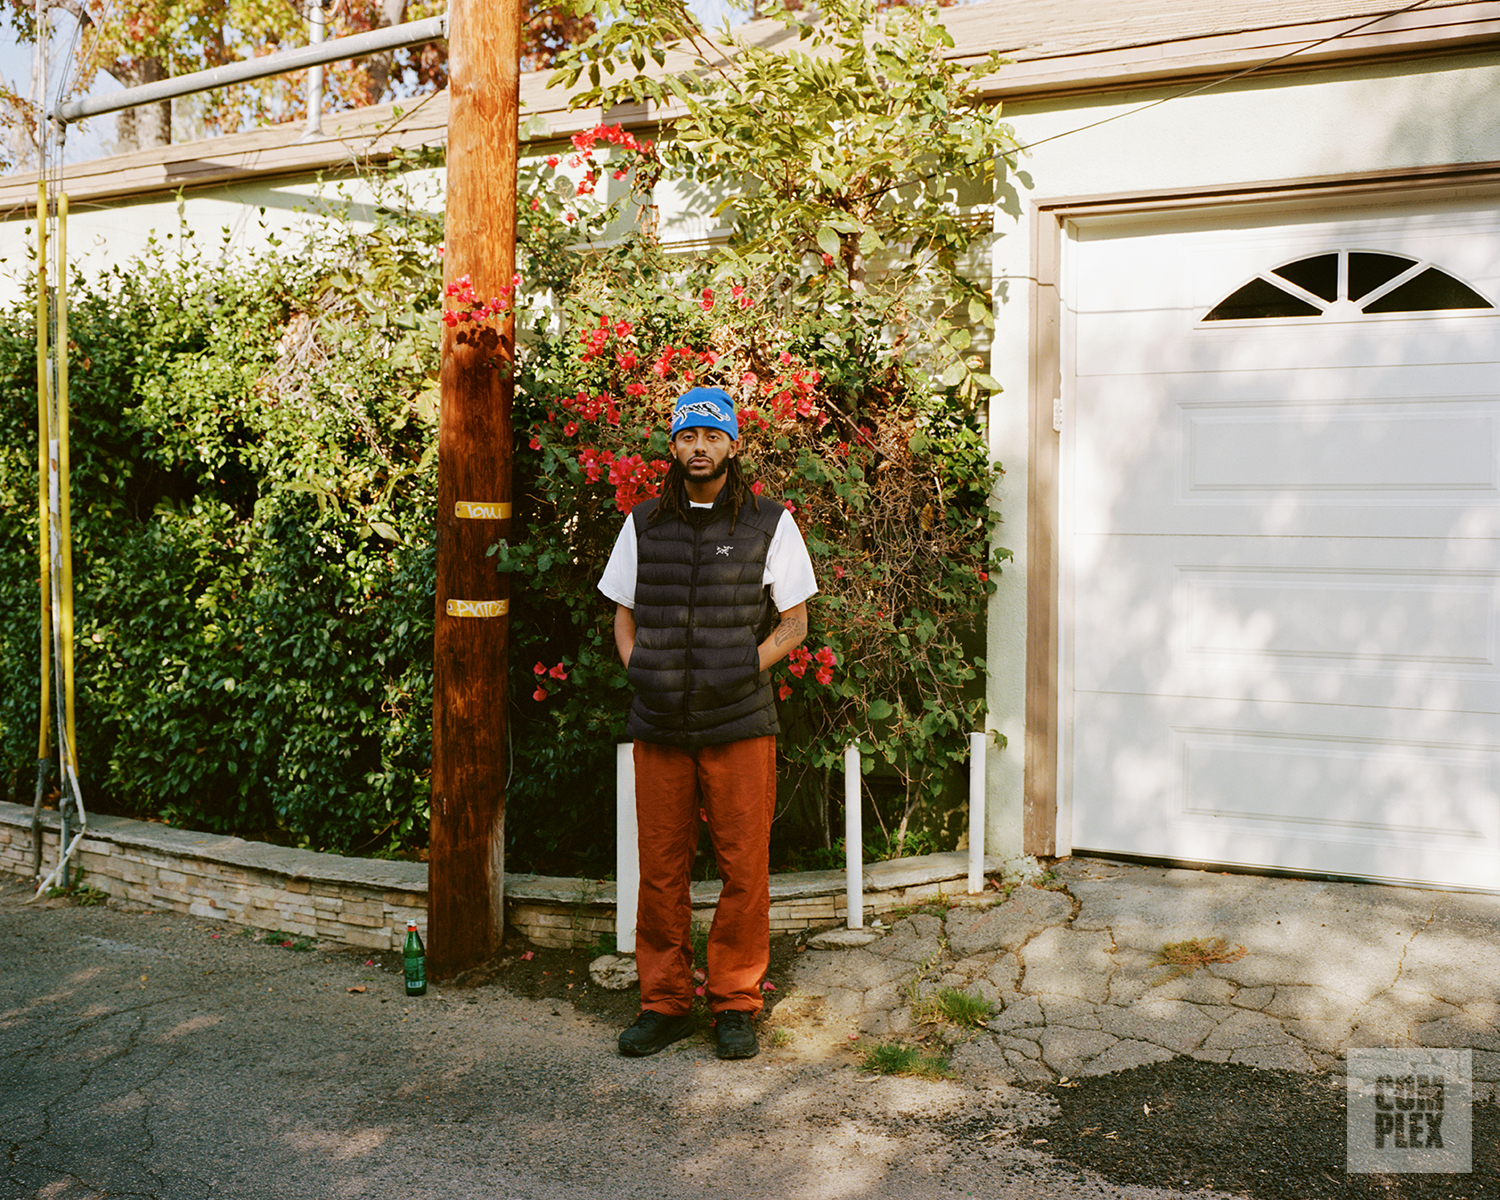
{"points": [[854, 884], [976, 811], [627, 850]]}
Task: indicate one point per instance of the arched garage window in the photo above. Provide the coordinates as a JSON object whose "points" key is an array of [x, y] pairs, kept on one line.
{"points": [[1347, 283]]}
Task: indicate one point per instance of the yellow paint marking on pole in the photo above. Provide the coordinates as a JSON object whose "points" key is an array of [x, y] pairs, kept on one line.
{"points": [[470, 510], [478, 608]]}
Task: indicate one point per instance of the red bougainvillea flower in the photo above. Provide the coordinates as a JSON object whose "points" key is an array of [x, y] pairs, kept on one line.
{"points": [[823, 675], [539, 669], [539, 695], [557, 672], [984, 576], [784, 691], [536, 443], [826, 657], [708, 299], [553, 160]]}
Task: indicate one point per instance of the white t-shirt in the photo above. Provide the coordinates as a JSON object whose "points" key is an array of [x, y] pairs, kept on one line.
{"points": [[789, 570]]}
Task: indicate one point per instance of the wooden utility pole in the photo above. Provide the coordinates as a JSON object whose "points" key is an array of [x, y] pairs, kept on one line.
{"points": [[466, 882]]}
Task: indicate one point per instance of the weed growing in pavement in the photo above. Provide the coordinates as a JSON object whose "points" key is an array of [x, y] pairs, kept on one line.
{"points": [[895, 1058], [931, 908], [914, 984], [603, 944], [781, 1037], [953, 1006], [84, 895], [289, 941], [1183, 958]]}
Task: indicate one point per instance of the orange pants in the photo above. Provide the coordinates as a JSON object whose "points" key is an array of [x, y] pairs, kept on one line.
{"points": [[735, 785]]}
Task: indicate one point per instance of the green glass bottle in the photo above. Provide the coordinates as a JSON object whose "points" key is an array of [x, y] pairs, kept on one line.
{"points": [[415, 955]]}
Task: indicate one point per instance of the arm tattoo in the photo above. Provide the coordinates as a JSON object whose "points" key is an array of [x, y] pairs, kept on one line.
{"points": [[791, 629]]}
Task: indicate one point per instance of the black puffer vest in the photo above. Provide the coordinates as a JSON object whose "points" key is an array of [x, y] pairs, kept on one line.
{"points": [[701, 613]]}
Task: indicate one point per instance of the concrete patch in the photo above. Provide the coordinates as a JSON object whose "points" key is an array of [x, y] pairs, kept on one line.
{"points": [[1025, 1011], [1062, 962], [1290, 1057], [1122, 1056], [1245, 1029], [982, 1063], [1171, 1024], [1006, 926], [843, 939], [1066, 1050]]}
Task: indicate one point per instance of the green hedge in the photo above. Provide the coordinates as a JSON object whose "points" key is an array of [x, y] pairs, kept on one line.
{"points": [[252, 493]]}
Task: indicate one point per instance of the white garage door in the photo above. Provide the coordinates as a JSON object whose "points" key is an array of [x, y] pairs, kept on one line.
{"points": [[1281, 544]]}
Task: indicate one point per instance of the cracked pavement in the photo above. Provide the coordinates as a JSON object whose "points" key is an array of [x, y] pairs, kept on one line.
{"points": [[1079, 988], [150, 1056]]}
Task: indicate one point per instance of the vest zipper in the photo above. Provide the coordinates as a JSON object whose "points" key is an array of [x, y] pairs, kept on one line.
{"points": [[687, 664]]}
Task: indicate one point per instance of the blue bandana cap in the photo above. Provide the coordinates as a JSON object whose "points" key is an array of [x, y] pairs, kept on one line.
{"points": [[706, 406]]}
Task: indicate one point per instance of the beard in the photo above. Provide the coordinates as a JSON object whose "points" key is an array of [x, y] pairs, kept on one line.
{"points": [[717, 472]]}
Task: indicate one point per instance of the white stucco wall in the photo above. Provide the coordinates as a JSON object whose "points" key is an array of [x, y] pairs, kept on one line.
{"points": [[1282, 127], [221, 224]]}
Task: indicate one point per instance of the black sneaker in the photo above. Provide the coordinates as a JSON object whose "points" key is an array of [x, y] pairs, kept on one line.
{"points": [[652, 1032], [735, 1035]]}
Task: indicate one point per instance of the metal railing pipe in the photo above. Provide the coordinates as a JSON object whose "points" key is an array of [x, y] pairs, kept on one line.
{"points": [[393, 37]]}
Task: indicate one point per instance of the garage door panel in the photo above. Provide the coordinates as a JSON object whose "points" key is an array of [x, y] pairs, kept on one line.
{"points": [[1181, 455], [1277, 785], [1264, 453], [1153, 342], [1380, 623]]}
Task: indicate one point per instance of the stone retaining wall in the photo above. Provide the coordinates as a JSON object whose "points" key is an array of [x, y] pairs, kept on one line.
{"points": [[356, 902], [367, 902]]}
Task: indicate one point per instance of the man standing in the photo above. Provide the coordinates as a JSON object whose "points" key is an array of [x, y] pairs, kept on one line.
{"points": [[694, 575]]}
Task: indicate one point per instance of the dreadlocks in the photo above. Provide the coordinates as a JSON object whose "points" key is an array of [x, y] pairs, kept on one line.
{"points": [[674, 491]]}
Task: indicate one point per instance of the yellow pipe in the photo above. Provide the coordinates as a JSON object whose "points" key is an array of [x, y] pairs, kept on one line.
{"points": [[65, 506], [44, 437]]}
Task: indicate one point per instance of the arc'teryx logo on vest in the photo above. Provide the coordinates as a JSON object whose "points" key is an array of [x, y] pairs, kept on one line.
{"points": [[724, 550]]}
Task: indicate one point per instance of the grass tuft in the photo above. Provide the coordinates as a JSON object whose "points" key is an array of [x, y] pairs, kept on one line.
{"points": [[1183, 958], [953, 1006], [894, 1058]]}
